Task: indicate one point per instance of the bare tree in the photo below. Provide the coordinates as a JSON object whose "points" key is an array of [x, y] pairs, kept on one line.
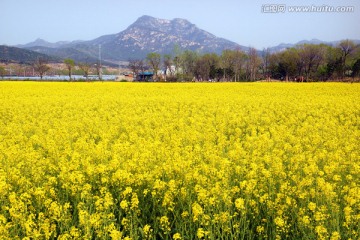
{"points": [[85, 67], [265, 63], [300, 65], [154, 62], [41, 67], [19, 69], [238, 62], [2, 72], [134, 65], [254, 63], [347, 48]]}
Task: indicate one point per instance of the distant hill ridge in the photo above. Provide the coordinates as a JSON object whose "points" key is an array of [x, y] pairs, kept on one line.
{"points": [[42, 43], [146, 34], [17, 55]]}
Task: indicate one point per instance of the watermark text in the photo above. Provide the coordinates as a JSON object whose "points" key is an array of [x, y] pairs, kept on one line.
{"points": [[282, 8]]}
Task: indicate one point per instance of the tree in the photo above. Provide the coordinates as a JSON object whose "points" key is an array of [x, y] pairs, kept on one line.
{"points": [[331, 66], [274, 60], [188, 61], [154, 60], [2, 72], [206, 66], [284, 65], [70, 63], [287, 63], [85, 67], [238, 61], [177, 64], [203, 68], [253, 63], [134, 66], [347, 47], [265, 63], [226, 62], [41, 67], [168, 64], [19, 69], [142, 66], [98, 69], [356, 69], [213, 61], [177, 59], [311, 56]]}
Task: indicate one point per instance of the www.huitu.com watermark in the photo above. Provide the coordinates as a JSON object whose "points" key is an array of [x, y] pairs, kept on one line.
{"points": [[282, 8]]}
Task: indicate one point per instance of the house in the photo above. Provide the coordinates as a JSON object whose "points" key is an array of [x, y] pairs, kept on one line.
{"points": [[144, 77]]}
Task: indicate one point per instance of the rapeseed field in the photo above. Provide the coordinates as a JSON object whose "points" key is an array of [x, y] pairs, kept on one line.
{"points": [[179, 161]]}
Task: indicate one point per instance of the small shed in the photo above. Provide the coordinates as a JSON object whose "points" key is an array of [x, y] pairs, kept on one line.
{"points": [[145, 77]]}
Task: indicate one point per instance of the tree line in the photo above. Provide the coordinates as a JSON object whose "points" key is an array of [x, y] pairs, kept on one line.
{"points": [[41, 67], [305, 62], [85, 67]]}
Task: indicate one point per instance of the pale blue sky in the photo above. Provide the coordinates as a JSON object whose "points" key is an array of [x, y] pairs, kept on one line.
{"points": [[22, 21]]}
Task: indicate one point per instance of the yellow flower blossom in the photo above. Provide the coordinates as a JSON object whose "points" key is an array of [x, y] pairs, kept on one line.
{"points": [[165, 224], [335, 236], [177, 236], [147, 231], [209, 161], [200, 233], [240, 204], [312, 206]]}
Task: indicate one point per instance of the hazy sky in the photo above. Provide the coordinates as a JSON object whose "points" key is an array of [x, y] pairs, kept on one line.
{"points": [[244, 22]]}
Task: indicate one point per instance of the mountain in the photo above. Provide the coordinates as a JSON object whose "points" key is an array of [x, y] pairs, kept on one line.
{"points": [[313, 41], [146, 34], [42, 43], [19, 55], [149, 34], [66, 52], [284, 46]]}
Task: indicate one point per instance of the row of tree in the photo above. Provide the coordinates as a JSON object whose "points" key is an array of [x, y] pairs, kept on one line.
{"points": [[85, 67], [307, 62], [40, 67]]}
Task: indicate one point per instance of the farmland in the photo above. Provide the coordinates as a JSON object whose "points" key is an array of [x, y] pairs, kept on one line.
{"points": [[179, 161]]}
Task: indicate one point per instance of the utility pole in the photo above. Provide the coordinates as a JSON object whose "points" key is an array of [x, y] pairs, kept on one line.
{"points": [[100, 67]]}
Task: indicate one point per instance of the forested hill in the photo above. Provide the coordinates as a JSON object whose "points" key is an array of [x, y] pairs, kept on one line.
{"points": [[24, 56]]}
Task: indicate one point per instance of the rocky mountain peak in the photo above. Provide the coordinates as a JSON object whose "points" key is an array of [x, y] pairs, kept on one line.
{"points": [[149, 23], [163, 25], [181, 21], [149, 34]]}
